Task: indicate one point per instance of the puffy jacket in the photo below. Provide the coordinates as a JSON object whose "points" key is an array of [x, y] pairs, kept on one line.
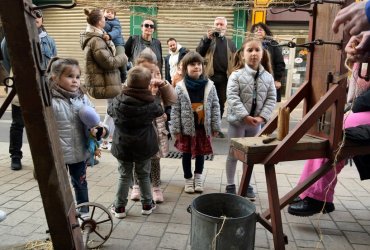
{"points": [[114, 30], [182, 117], [71, 130], [102, 77], [240, 94], [134, 137]]}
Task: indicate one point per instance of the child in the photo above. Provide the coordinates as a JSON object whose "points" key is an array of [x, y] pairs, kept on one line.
{"points": [[68, 98], [133, 112], [114, 32], [167, 96], [251, 98], [195, 117]]}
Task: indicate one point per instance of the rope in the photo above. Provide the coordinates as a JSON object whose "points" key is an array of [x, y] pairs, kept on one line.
{"points": [[219, 232]]}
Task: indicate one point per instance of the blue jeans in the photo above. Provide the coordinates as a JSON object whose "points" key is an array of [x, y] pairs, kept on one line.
{"points": [[16, 133], [186, 165], [142, 170], [77, 171]]}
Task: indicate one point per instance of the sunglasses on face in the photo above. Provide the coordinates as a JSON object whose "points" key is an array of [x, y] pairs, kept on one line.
{"points": [[147, 25]]}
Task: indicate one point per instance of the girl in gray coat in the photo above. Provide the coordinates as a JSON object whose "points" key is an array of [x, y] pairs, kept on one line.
{"points": [[67, 101], [195, 117], [251, 98]]}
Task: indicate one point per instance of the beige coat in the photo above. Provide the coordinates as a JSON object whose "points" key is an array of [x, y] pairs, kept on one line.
{"points": [[102, 77]]}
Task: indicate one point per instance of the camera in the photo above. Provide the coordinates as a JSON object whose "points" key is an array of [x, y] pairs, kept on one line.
{"points": [[216, 34]]}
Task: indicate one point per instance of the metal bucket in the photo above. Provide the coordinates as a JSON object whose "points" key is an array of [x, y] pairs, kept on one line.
{"points": [[222, 221]]}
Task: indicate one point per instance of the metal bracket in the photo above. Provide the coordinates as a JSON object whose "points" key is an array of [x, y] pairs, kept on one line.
{"points": [[299, 7], [309, 45]]}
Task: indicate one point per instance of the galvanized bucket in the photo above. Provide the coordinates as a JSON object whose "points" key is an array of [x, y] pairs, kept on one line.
{"points": [[222, 221]]}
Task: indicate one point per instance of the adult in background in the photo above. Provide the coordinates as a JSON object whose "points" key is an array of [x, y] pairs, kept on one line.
{"points": [[176, 53], [218, 52], [263, 32], [137, 43], [48, 50]]}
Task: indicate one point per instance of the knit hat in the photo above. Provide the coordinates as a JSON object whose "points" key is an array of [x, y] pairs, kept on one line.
{"points": [[88, 116], [138, 77]]}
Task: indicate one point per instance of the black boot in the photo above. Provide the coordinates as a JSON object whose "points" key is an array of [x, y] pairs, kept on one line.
{"points": [[309, 206], [230, 189], [16, 164]]}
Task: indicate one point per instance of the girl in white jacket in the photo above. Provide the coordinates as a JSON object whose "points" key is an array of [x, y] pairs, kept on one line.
{"points": [[251, 98]]}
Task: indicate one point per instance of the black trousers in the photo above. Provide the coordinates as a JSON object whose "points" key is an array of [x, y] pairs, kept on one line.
{"points": [[220, 81], [16, 133]]}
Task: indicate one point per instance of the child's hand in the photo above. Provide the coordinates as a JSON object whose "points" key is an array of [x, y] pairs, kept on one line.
{"points": [[250, 120], [155, 84], [106, 37], [97, 152], [259, 119]]}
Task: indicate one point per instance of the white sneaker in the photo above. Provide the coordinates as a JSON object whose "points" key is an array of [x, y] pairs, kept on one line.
{"points": [[198, 183], [119, 212], [157, 195], [189, 186], [148, 209], [2, 215], [135, 193], [83, 217]]}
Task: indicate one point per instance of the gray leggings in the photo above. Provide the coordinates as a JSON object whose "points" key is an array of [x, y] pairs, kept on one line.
{"points": [[237, 131]]}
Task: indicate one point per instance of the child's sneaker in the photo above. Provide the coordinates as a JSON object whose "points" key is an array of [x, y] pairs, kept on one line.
{"points": [[157, 195], [119, 212], [148, 208], [189, 186], [250, 193], [198, 183], [135, 193]]}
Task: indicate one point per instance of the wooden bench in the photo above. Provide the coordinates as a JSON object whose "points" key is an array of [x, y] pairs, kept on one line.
{"points": [[252, 150]]}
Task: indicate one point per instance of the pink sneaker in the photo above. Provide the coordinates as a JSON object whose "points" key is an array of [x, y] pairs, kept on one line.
{"points": [[135, 193], [157, 195]]}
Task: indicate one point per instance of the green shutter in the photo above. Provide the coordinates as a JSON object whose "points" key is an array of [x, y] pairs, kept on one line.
{"points": [[240, 26], [137, 19]]}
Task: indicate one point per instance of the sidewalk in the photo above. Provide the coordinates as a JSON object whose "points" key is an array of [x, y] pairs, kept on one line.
{"points": [[348, 227]]}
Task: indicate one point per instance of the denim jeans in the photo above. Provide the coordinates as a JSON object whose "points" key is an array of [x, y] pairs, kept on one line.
{"points": [[16, 133], [186, 165], [77, 171], [142, 170]]}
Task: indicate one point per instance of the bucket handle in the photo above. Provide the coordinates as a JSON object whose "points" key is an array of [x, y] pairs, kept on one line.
{"points": [[189, 209]]}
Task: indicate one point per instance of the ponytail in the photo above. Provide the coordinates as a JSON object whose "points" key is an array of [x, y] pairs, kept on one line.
{"points": [[266, 61], [238, 59]]}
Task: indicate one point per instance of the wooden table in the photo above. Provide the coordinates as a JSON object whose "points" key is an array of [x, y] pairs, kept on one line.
{"points": [[251, 150]]}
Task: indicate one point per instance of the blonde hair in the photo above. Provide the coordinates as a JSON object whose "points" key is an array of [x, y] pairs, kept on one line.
{"points": [[57, 66]]}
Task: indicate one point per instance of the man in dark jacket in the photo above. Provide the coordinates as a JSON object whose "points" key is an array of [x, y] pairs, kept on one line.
{"points": [[218, 52], [176, 53], [134, 139]]}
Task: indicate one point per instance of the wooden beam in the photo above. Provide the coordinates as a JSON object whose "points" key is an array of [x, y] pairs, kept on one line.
{"points": [[23, 44]]}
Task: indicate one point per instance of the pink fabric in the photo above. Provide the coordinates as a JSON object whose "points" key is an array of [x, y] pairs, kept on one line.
{"points": [[322, 186]]}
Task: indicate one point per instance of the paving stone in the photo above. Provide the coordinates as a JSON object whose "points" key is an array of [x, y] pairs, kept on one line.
{"points": [[342, 216], [126, 230], [173, 241], [349, 226], [178, 228], [116, 244], [358, 237], [144, 242], [23, 229], [152, 229]]}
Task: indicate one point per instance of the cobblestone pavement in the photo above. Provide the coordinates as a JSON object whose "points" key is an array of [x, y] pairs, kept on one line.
{"points": [[348, 227]]}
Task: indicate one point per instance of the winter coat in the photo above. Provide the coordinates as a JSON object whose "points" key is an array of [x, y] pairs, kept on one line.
{"points": [[71, 130], [114, 30], [102, 77], [240, 94], [182, 53], [207, 47], [168, 97], [134, 137], [182, 117], [277, 62], [135, 44]]}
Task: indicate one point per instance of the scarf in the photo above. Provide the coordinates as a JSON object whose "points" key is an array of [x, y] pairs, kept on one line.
{"points": [[195, 84], [67, 94], [144, 95]]}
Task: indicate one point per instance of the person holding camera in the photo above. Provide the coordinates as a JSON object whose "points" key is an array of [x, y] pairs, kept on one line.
{"points": [[218, 52]]}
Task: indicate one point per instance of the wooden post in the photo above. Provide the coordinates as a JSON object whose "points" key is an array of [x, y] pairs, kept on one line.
{"points": [[23, 44]]}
